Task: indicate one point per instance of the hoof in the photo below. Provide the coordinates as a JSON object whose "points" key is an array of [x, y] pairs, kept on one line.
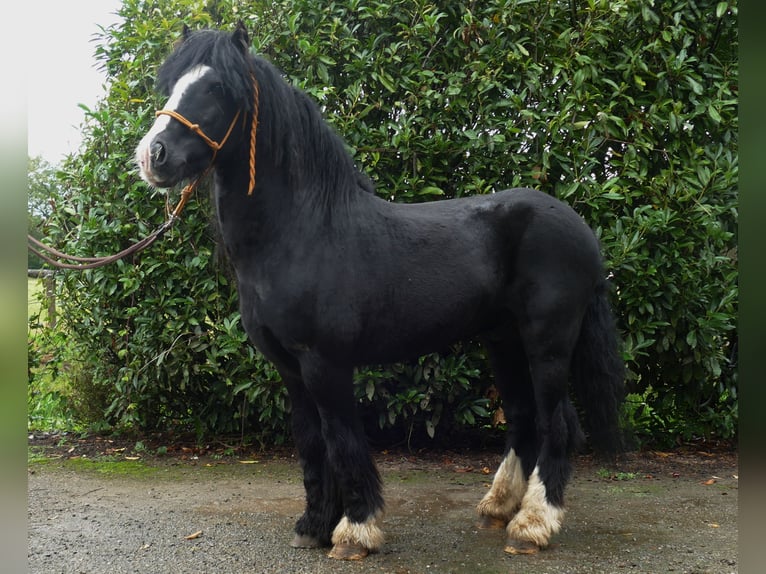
{"points": [[348, 551], [513, 546], [305, 541], [491, 523]]}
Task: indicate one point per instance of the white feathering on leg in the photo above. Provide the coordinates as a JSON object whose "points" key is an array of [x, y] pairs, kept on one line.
{"points": [[366, 534], [537, 520], [507, 491]]}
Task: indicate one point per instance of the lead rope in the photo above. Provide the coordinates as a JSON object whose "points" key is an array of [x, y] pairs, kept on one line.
{"points": [[47, 253]]}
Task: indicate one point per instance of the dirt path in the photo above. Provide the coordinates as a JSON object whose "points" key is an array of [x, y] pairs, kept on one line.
{"points": [[651, 513]]}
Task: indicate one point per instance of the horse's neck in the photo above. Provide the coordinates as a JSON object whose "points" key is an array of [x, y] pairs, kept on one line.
{"points": [[276, 213], [243, 219], [309, 189]]}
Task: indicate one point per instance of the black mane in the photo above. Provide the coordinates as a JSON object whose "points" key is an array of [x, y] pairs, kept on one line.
{"points": [[293, 132]]}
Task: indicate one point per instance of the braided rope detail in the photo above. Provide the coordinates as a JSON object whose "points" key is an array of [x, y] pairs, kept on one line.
{"points": [[253, 131]]}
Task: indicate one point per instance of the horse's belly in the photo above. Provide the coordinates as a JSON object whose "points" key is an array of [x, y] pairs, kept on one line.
{"points": [[412, 330]]}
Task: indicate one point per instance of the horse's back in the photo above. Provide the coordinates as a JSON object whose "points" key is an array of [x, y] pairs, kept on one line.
{"points": [[527, 231]]}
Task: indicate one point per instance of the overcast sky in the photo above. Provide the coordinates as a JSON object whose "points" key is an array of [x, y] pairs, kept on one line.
{"points": [[62, 73]]}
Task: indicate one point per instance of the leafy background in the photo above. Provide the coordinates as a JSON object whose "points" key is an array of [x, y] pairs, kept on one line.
{"points": [[627, 110]]}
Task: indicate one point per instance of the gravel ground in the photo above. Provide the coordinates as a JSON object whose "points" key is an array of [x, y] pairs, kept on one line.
{"points": [[651, 513]]}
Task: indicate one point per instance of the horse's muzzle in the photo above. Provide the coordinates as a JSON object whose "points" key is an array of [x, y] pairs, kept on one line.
{"points": [[152, 159]]}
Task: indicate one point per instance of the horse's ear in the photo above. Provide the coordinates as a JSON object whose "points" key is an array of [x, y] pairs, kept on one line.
{"points": [[185, 33], [241, 38]]}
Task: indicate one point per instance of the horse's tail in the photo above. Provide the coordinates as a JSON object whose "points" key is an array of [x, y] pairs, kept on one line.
{"points": [[598, 375]]}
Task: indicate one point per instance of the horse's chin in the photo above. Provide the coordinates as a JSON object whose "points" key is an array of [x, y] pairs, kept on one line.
{"points": [[159, 180], [155, 182]]}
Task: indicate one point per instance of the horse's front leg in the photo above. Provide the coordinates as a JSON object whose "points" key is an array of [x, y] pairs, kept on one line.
{"points": [[324, 506], [358, 532]]}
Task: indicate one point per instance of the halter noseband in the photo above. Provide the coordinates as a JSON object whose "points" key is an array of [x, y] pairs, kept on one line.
{"points": [[198, 130], [216, 146]]}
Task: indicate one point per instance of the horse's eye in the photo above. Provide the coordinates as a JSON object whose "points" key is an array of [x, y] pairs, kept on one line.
{"points": [[217, 89]]}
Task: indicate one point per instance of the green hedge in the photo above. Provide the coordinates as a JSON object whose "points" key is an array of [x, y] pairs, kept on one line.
{"points": [[627, 110]]}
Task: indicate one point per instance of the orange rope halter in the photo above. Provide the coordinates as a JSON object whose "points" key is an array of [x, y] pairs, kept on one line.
{"points": [[216, 146], [198, 130]]}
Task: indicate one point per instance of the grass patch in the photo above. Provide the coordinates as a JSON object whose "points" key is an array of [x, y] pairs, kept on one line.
{"points": [[106, 465], [34, 292], [37, 456], [37, 304], [618, 476], [112, 466]]}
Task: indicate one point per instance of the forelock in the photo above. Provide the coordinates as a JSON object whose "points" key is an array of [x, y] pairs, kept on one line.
{"points": [[217, 50]]}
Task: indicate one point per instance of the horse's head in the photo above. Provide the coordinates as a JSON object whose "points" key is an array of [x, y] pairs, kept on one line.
{"points": [[204, 105]]}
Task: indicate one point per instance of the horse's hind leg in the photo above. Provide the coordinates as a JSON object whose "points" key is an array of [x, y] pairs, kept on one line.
{"points": [[549, 347], [513, 382], [357, 533]]}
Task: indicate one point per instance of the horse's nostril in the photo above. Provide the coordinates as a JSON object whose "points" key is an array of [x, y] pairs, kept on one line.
{"points": [[157, 152]]}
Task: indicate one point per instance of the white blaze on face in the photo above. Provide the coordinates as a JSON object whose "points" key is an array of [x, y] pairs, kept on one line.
{"points": [[143, 155]]}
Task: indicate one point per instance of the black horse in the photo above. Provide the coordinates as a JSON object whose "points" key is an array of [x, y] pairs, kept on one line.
{"points": [[330, 277]]}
